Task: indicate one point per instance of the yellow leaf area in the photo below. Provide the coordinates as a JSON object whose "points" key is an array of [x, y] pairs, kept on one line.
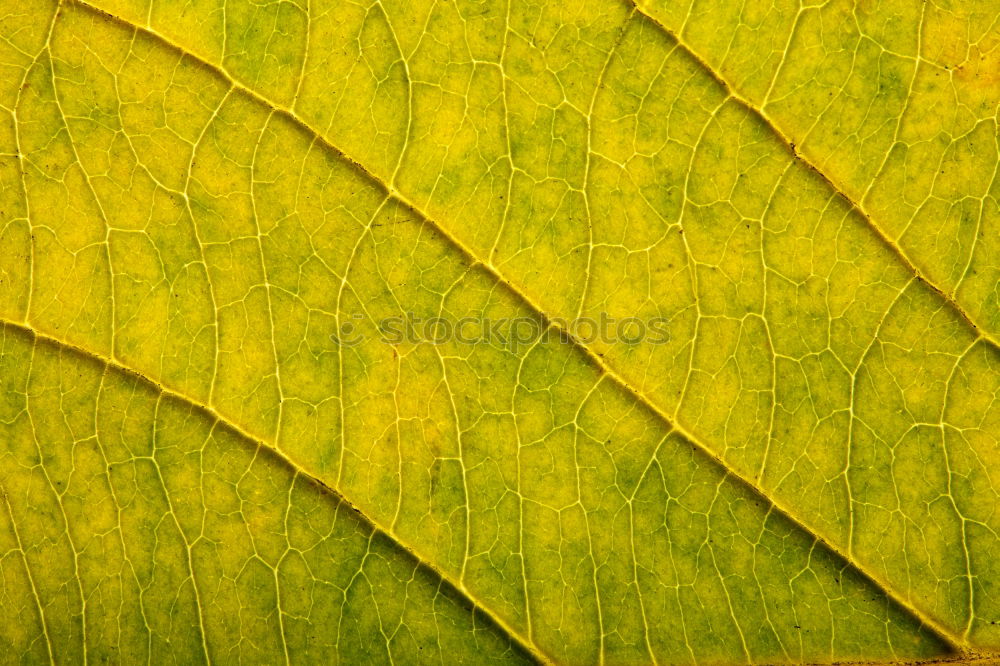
{"points": [[197, 197], [895, 102]]}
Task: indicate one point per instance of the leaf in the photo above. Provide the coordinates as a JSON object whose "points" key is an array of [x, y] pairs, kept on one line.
{"points": [[200, 200]]}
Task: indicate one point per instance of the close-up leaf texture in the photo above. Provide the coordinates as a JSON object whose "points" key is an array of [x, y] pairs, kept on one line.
{"points": [[198, 197]]}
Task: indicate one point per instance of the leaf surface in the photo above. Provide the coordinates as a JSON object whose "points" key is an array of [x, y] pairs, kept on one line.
{"points": [[207, 195], [896, 102]]}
